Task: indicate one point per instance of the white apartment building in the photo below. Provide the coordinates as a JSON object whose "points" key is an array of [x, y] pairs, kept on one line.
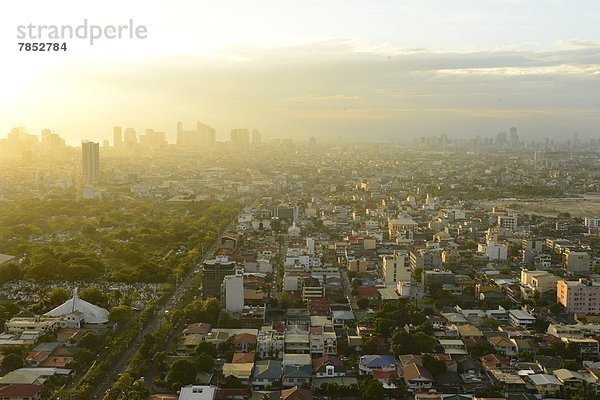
{"points": [[396, 268], [232, 292], [496, 252], [540, 281], [270, 343]]}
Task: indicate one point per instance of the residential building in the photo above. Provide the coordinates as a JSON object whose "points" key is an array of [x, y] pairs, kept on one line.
{"points": [[266, 373], [507, 221], [540, 281], [197, 392], [328, 366], [581, 296], [368, 363], [443, 277], [270, 343], [521, 318], [395, 269], [495, 252], [576, 262], [213, 274], [546, 385], [417, 377], [402, 229], [426, 259], [232, 293], [91, 161]]}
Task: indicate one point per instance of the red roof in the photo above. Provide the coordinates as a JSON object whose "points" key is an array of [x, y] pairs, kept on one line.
{"points": [[296, 393], [367, 291], [199, 328], [20, 390], [384, 375], [493, 359], [242, 358], [244, 338], [327, 360]]}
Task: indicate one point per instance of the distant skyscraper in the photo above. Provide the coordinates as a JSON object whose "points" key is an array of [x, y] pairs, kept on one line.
{"points": [[130, 138], [179, 140], [91, 161], [117, 136], [256, 136], [513, 138], [206, 134], [240, 137]]}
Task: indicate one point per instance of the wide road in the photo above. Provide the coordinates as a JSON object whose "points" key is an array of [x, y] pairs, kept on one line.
{"points": [[154, 324]]}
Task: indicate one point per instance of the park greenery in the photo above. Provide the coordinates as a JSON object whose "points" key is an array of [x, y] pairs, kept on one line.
{"points": [[116, 240]]}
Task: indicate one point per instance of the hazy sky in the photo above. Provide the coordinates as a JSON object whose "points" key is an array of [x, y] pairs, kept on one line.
{"points": [[359, 69]]}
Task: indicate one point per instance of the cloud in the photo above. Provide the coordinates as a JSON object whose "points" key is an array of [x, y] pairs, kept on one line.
{"points": [[346, 87]]}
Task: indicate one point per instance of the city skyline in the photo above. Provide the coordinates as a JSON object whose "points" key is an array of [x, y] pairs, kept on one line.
{"points": [[389, 69]]}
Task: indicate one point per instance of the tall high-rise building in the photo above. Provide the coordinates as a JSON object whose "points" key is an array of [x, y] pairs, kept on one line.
{"points": [[117, 136], [130, 138], [91, 161], [213, 274], [255, 136], [179, 140], [513, 139], [203, 136], [240, 137], [206, 134]]}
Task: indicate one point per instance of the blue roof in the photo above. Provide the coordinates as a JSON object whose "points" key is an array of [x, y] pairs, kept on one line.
{"points": [[377, 361]]}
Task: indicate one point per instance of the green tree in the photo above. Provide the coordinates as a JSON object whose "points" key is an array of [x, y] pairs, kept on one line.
{"points": [[205, 347], [94, 295], [372, 390], [11, 361], [181, 373], [363, 303], [90, 341], [434, 366], [120, 314], [204, 362], [58, 296]]}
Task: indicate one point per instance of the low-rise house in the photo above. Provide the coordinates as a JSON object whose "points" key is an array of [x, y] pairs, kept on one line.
{"points": [[505, 345], [417, 377], [368, 363], [493, 361], [266, 372], [453, 346], [572, 381], [296, 375], [588, 348], [244, 342], [508, 380], [388, 379], [197, 392], [242, 358], [21, 392], [328, 366], [243, 372], [199, 328], [546, 385], [342, 317], [521, 318], [296, 393]]}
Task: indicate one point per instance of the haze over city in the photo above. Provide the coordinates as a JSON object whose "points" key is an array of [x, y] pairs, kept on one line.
{"points": [[356, 70]]}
